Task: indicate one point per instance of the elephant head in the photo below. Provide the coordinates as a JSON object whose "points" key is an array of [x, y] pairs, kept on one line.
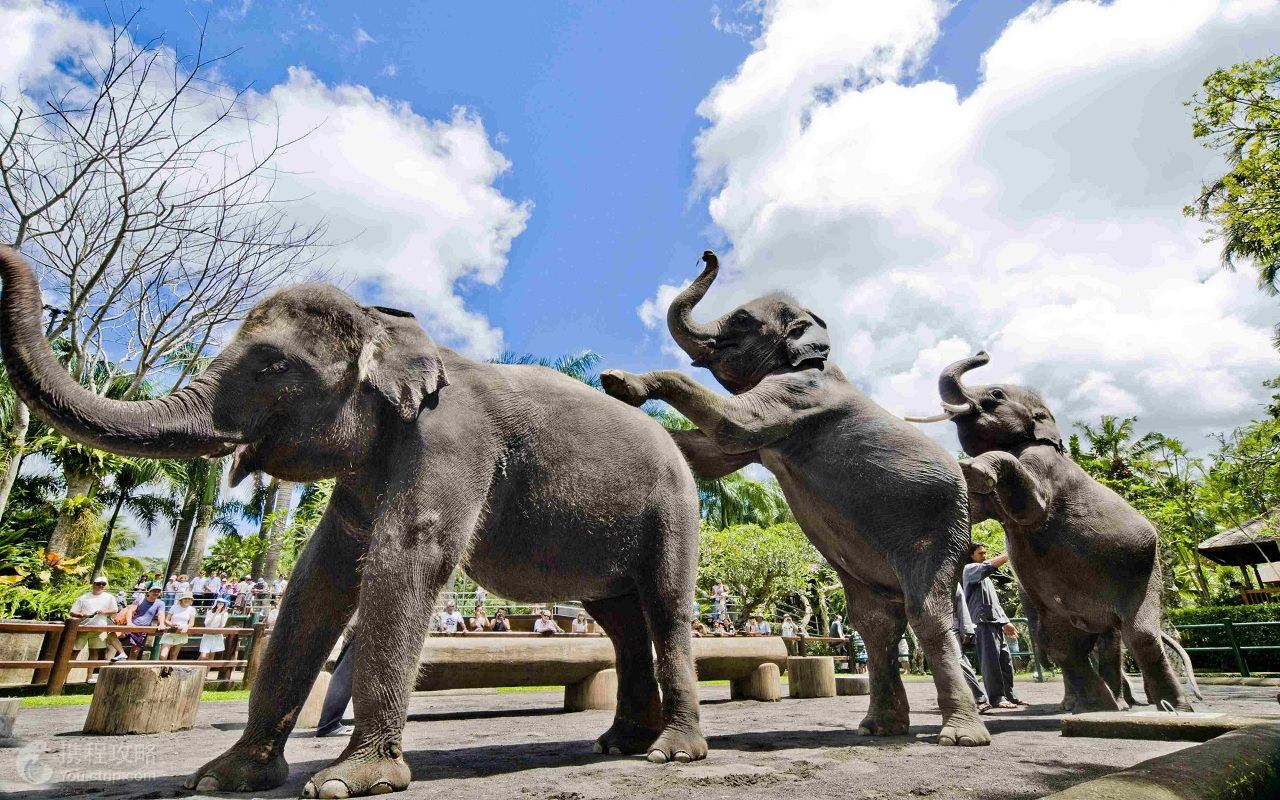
{"points": [[996, 417], [767, 335], [296, 393]]}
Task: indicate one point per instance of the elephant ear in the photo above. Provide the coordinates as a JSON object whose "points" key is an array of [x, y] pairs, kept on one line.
{"points": [[1044, 428], [814, 343], [401, 362]]}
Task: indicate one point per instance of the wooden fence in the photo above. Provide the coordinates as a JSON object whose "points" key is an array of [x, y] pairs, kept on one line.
{"points": [[57, 657]]}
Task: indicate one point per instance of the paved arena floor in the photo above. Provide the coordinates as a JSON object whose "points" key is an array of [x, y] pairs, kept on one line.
{"points": [[520, 745]]}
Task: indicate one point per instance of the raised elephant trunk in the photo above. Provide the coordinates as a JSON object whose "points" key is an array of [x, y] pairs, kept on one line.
{"points": [[177, 426], [694, 338], [955, 397], [951, 388]]}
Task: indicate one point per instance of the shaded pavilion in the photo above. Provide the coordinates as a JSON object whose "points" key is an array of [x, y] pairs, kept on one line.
{"points": [[1252, 546]]}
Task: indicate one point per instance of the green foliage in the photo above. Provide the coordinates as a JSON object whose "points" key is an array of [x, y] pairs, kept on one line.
{"points": [[1245, 635], [234, 555], [579, 366], [759, 565], [1238, 116]]}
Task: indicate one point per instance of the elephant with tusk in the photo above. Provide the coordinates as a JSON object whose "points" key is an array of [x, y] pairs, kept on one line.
{"points": [[539, 485], [1085, 558], [884, 504]]}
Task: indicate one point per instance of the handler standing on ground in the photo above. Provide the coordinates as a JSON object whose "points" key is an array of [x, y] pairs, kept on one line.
{"points": [[991, 625]]}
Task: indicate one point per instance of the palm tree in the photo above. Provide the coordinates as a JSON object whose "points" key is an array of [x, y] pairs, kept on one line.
{"points": [[131, 475], [1114, 450], [274, 525], [208, 491], [737, 499], [579, 366]]}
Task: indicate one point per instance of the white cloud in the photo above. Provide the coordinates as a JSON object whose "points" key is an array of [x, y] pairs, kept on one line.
{"points": [[362, 37], [389, 71], [1039, 217], [411, 202]]}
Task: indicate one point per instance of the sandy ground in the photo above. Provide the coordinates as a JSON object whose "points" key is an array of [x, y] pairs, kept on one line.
{"points": [[521, 745]]}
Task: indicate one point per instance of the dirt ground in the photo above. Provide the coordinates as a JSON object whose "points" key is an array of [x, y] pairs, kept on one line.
{"points": [[521, 745]]}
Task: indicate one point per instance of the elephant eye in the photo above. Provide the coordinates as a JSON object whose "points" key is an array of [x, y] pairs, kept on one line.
{"points": [[275, 369], [997, 394], [798, 328]]}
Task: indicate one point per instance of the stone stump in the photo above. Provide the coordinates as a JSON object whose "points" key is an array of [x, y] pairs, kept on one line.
{"points": [[853, 684], [146, 697], [764, 684], [598, 691], [8, 716], [811, 676], [309, 716]]}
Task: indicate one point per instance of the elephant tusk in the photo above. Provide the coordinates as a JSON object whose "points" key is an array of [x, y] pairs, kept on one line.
{"points": [[943, 417], [963, 408]]}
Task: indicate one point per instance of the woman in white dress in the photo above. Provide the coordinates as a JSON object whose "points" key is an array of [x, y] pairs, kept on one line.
{"points": [[211, 643], [180, 621]]}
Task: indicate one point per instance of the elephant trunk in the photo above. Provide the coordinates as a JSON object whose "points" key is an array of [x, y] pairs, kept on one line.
{"points": [[177, 426], [695, 339], [955, 397]]}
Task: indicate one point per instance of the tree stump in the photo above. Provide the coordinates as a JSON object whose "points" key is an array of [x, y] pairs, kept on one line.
{"points": [[309, 716], [146, 697], [764, 684], [811, 676], [8, 715], [853, 684], [598, 691]]}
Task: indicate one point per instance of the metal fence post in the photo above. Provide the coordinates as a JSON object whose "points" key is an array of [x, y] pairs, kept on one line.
{"points": [[1235, 649]]}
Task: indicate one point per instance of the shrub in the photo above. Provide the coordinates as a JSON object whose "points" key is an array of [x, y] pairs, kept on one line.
{"points": [[1248, 636]]}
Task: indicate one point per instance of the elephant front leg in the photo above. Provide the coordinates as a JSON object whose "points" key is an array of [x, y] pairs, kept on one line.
{"points": [[318, 604], [416, 545], [1019, 494]]}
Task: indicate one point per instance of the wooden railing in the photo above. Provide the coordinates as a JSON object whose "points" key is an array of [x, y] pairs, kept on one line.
{"points": [[57, 655]]}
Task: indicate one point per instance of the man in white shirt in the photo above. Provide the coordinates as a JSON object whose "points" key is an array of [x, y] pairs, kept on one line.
{"points": [[451, 621], [545, 624], [758, 626], [94, 609]]}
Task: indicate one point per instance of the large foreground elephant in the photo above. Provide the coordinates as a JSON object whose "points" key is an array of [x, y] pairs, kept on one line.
{"points": [[883, 503], [1085, 558], [538, 484]]}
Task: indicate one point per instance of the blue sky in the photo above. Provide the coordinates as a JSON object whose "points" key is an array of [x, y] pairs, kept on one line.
{"points": [[594, 104]]}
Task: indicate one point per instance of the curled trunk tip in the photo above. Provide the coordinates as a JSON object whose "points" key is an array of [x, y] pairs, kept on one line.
{"points": [[694, 338]]}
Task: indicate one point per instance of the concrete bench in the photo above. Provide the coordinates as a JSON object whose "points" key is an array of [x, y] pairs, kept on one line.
{"points": [[584, 664]]}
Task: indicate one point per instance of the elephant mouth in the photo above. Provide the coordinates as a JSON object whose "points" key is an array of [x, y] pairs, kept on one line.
{"points": [[244, 460]]}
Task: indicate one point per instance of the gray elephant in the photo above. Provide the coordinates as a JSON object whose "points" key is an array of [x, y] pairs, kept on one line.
{"points": [[1085, 558], [536, 483], [883, 503]]}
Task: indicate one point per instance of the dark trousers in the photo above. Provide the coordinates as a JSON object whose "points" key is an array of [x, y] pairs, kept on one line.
{"points": [[339, 692], [995, 661], [970, 677]]}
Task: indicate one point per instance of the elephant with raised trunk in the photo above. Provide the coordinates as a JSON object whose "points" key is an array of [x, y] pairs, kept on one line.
{"points": [[1085, 558], [884, 504], [539, 485]]}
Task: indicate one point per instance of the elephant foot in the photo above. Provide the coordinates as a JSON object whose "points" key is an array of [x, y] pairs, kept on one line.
{"points": [[978, 476], [882, 725], [354, 777], [626, 738], [963, 731], [241, 770], [624, 386], [1086, 705], [678, 745]]}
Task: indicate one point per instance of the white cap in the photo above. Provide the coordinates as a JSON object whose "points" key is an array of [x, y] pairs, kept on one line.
{"points": [[186, 596], [102, 579]]}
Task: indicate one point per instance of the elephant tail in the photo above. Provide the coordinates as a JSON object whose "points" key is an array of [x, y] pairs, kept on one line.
{"points": [[1186, 663]]}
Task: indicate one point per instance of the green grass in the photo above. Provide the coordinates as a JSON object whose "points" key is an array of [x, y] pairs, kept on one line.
{"points": [[84, 699]]}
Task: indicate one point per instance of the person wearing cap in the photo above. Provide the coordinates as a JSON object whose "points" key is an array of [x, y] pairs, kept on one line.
{"points": [[147, 611], [94, 609], [758, 626], [180, 621], [789, 626]]}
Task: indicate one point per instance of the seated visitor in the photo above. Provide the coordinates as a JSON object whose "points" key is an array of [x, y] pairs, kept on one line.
{"points": [[149, 612], [451, 620], [545, 624], [479, 619], [500, 622], [580, 623]]}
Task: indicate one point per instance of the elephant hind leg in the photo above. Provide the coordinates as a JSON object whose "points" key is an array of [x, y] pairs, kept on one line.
{"points": [[665, 593], [881, 622], [637, 722], [1071, 648], [1158, 679], [1111, 668], [932, 625]]}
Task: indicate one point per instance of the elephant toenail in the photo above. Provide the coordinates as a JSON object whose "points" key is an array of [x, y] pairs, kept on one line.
{"points": [[657, 757], [335, 788], [381, 787], [614, 750], [597, 748], [309, 790], [208, 784], [682, 757]]}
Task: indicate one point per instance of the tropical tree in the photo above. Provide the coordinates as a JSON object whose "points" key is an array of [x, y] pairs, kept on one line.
{"points": [[128, 480], [1113, 454], [579, 366], [737, 499], [1237, 114], [759, 565]]}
